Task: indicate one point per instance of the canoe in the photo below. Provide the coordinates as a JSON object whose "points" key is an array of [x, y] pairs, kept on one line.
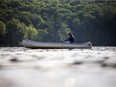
{"points": [[53, 45]]}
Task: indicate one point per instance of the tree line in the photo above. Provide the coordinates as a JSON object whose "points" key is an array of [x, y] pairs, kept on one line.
{"points": [[50, 20]]}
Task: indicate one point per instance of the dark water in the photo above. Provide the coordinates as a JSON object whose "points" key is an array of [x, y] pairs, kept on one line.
{"points": [[22, 67]]}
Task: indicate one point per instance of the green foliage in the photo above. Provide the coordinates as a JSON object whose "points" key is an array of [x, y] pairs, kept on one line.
{"points": [[42, 35], [30, 32], [89, 20], [2, 28], [14, 33]]}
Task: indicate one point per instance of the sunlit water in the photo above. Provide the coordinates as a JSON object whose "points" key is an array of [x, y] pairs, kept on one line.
{"points": [[22, 67]]}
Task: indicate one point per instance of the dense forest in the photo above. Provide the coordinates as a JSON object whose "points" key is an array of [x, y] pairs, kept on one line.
{"points": [[50, 20]]}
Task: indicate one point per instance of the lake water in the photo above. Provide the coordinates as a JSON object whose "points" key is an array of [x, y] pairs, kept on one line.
{"points": [[22, 67]]}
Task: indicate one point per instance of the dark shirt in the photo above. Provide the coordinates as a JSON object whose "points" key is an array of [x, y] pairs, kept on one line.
{"points": [[71, 39]]}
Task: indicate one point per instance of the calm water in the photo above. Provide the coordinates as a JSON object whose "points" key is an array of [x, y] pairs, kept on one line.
{"points": [[22, 67]]}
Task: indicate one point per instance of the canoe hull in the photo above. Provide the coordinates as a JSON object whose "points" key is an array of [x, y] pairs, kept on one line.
{"points": [[49, 45]]}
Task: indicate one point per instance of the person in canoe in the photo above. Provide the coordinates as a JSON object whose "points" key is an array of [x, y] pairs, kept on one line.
{"points": [[70, 37]]}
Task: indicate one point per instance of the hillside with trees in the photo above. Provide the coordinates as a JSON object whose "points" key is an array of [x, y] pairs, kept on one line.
{"points": [[50, 20]]}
